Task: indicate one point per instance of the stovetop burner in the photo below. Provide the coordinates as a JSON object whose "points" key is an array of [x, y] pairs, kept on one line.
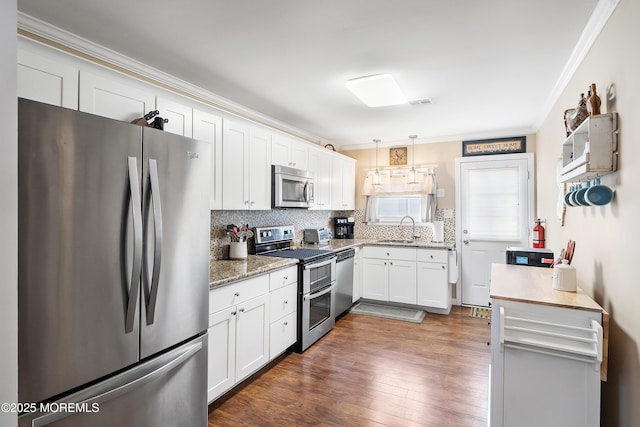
{"points": [[301, 254]]}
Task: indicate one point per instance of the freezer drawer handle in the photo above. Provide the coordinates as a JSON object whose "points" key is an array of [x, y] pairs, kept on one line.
{"points": [[123, 389], [136, 209], [152, 293]]}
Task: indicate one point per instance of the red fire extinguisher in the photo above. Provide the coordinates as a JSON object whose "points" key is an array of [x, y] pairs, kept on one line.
{"points": [[538, 234]]}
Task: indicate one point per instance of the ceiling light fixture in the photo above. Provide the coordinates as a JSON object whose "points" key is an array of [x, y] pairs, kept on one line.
{"points": [[376, 175], [379, 90], [412, 177]]}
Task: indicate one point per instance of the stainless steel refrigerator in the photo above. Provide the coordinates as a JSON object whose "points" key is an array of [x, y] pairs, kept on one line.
{"points": [[114, 228]]}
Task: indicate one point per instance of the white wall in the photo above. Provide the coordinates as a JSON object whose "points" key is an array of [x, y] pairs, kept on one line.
{"points": [[606, 237], [8, 211]]}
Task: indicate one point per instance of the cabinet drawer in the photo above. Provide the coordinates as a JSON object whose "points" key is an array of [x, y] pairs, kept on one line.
{"points": [[237, 292], [433, 255], [283, 301], [282, 334], [280, 278], [387, 252]]}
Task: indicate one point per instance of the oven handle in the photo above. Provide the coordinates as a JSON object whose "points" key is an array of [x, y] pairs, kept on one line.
{"points": [[320, 264], [321, 293]]}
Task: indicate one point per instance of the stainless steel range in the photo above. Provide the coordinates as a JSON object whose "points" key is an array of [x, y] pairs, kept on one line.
{"points": [[316, 281]]}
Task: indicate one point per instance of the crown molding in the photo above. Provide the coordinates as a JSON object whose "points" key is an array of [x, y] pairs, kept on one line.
{"points": [[601, 14], [57, 38]]}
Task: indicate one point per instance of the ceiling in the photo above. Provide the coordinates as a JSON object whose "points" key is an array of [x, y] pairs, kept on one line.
{"points": [[491, 68]]}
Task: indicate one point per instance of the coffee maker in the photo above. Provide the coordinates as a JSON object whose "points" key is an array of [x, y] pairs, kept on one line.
{"points": [[343, 227]]}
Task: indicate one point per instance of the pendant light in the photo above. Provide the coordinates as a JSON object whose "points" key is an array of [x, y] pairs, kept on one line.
{"points": [[376, 175], [412, 177]]}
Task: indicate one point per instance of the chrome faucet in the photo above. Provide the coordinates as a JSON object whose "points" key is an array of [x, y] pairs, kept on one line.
{"points": [[414, 236]]}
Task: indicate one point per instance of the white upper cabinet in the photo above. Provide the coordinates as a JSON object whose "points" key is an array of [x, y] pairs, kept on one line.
{"points": [[108, 97], [286, 151], [320, 165], [246, 168], [208, 127], [343, 174], [180, 117], [259, 169], [43, 80]]}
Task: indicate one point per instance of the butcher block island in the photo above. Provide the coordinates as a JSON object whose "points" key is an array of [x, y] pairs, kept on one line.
{"points": [[548, 351]]}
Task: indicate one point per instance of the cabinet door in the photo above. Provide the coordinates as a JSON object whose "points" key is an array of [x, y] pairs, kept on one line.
{"points": [[221, 352], [348, 185], [110, 98], [375, 279], [280, 151], [357, 288], [180, 117], [259, 170], [252, 336], [43, 80], [235, 185], [283, 334], [402, 281], [299, 155], [320, 165], [337, 174], [208, 127], [433, 285]]}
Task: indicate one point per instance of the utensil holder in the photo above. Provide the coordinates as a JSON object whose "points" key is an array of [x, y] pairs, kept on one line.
{"points": [[238, 250]]}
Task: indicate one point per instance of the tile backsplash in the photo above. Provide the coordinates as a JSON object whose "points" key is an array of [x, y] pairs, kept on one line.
{"points": [[302, 218]]}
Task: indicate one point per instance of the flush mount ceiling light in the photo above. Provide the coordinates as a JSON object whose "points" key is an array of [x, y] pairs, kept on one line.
{"points": [[380, 90]]}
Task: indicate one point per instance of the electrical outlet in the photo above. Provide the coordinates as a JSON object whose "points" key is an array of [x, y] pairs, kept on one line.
{"points": [[440, 192]]}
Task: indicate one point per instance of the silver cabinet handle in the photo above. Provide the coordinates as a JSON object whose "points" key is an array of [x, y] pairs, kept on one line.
{"points": [[136, 210], [233, 313], [237, 294], [286, 323], [157, 228], [466, 242], [241, 310]]}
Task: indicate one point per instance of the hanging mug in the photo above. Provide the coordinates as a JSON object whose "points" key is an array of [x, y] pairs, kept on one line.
{"points": [[567, 197], [572, 198], [580, 195], [598, 195]]}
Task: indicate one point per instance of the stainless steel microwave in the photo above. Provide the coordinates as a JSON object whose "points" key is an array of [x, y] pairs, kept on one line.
{"points": [[291, 188]]}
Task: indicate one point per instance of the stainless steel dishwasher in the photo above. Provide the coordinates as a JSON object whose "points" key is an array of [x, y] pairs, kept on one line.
{"points": [[344, 280]]}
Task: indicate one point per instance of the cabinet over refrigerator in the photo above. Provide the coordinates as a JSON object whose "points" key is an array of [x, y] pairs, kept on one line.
{"points": [[113, 271]]}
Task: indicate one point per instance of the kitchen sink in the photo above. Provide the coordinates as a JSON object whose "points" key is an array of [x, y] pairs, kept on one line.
{"points": [[395, 242]]}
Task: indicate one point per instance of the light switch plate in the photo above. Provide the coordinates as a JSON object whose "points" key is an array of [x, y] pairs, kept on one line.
{"points": [[440, 192]]}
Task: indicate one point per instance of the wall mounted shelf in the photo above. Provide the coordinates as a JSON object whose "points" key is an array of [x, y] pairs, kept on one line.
{"points": [[591, 150]]}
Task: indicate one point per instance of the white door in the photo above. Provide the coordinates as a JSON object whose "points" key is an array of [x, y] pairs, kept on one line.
{"points": [[252, 336], [495, 205], [208, 127], [235, 182], [221, 352]]}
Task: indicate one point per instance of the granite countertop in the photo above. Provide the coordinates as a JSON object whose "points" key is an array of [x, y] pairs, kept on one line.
{"points": [[225, 271], [337, 244]]}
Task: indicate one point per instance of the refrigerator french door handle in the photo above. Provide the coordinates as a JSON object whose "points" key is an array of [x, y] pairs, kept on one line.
{"points": [[136, 209], [52, 417], [157, 228]]}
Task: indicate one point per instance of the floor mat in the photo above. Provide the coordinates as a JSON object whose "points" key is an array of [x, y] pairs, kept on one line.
{"points": [[389, 312], [480, 312]]}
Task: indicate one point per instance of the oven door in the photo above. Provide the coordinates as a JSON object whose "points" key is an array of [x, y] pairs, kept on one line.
{"points": [[318, 315], [318, 275], [292, 188]]}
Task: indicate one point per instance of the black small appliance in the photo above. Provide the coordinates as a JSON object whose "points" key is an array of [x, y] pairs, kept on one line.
{"points": [[535, 257], [344, 227]]}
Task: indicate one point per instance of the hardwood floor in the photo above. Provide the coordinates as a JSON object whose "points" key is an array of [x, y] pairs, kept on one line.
{"points": [[370, 371]]}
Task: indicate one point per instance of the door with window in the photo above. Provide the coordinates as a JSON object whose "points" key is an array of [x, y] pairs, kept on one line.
{"points": [[495, 210]]}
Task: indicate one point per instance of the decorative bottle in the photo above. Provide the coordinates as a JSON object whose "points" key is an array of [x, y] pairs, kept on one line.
{"points": [[593, 103]]}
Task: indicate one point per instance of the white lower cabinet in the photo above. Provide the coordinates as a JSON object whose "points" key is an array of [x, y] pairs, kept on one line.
{"points": [[389, 274], [250, 323], [433, 278], [238, 333], [284, 310]]}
